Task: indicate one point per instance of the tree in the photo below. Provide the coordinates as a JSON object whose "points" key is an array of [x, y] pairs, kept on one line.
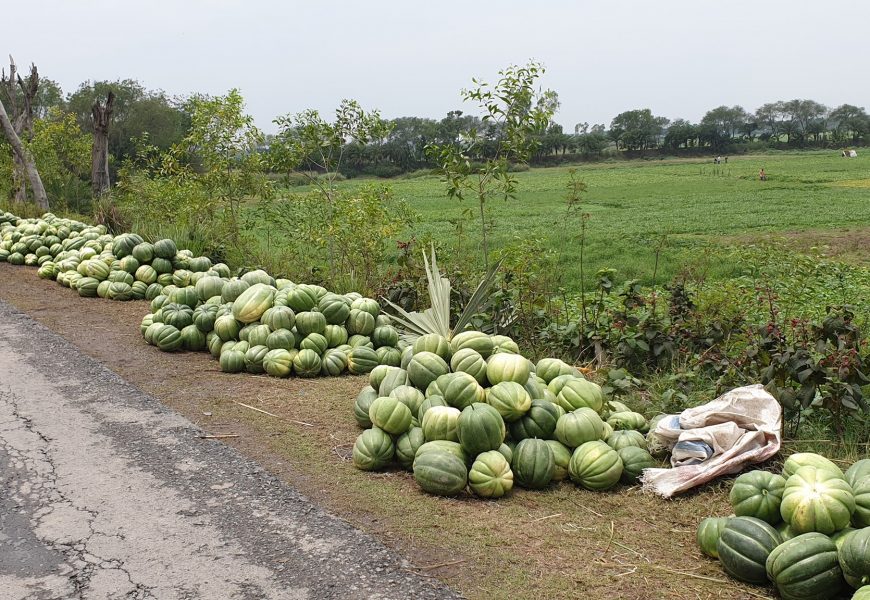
{"points": [[200, 182], [306, 142], [591, 141], [136, 111], [804, 117], [850, 122], [405, 144], [726, 120], [62, 153], [516, 110], [637, 129], [771, 119], [681, 134], [454, 126], [102, 116], [21, 126]]}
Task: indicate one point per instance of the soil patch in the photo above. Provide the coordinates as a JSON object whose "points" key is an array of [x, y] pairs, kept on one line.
{"points": [[851, 245]]}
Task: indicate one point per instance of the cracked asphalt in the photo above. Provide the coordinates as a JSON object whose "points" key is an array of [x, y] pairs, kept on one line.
{"points": [[106, 493]]}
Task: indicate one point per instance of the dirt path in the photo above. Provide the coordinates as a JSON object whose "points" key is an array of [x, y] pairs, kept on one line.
{"points": [[108, 494]]}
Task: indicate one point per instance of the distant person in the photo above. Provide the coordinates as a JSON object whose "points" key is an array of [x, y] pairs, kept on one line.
{"points": [[726, 160], [762, 175]]}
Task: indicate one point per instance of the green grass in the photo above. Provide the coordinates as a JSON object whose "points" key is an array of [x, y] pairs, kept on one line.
{"points": [[632, 205]]}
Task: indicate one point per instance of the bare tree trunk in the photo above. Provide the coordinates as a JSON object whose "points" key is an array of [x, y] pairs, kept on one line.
{"points": [[25, 156], [21, 127], [19, 180], [102, 114]]}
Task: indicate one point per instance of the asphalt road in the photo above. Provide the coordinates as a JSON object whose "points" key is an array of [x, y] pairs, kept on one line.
{"points": [[106, 493]]}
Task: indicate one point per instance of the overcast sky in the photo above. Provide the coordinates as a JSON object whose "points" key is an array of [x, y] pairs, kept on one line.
{"points": [[677, 57]]}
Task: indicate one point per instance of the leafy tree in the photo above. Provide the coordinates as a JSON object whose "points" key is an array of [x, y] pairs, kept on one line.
{"points": [[590, 141], [405, 144], [726, 120], [805, 117], [681, 134], [454, 126], [850, 122], [63, 156], [637, 129], [771, 119], [306, 142], [136, 112], [517, 110], [201, 182]]}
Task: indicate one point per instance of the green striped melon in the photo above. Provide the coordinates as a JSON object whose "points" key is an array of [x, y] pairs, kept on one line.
{"points": [[409, 396], [442, 446], [817, 500], [407, 445], [385, 335], [372, 450], [390, 415], [434, 343], [361, 360], [758, 494], [278, 362], [440, 473], [307, 363], [253, 302], [533, 464], [854, 556], [539, 422], [474, 340], [561, 457], [745, 544], [595, 466], [254, 359], [426, 367], [625, 438], [507, 367], [634, 461], [480, 428], [362, 404], [360, 322], [441, 423], [805, 567], [708, 534], [578, 427], [469, 361], [490, 475], [334, 308], [808, 459], [232, 361], [510, 399]]}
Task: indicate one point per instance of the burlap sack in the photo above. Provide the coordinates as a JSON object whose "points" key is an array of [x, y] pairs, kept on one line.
{"points": [[742, 426]]}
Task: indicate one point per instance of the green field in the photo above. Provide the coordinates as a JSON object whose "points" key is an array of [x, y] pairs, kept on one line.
{"points": [[810, 197]]}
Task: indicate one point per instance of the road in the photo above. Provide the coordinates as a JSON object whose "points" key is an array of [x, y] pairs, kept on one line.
{"points": [[106, 493]]}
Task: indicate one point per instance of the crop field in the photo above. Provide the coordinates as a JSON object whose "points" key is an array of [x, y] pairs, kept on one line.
{"points": [[809, 200]]}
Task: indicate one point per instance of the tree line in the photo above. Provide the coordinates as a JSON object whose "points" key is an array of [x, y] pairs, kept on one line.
{"points": [[61, 134]]}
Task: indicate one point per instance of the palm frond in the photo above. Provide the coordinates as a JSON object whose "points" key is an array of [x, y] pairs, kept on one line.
{"points": [[437, 318], [439, 295], [478, 298]]}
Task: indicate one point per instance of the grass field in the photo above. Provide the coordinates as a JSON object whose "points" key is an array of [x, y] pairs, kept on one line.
{"points": [[810, 198]]}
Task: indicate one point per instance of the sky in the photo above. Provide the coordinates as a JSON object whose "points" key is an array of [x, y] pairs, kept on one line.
{"points": [[679, 58]]}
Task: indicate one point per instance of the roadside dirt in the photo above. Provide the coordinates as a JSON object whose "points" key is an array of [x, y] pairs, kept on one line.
{"points": [[561, 543]]}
